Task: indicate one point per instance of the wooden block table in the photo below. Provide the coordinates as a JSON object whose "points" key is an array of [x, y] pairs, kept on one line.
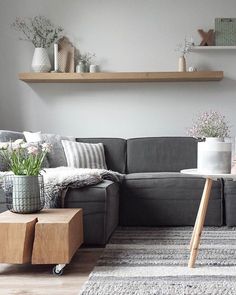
{"points": [[51, 236], [16, 237]]}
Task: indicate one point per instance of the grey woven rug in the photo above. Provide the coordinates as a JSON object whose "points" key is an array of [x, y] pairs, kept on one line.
{"points": [[154, 261]]}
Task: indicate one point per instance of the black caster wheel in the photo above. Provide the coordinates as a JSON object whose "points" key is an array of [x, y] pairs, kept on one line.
{"points": [[57, 272]]}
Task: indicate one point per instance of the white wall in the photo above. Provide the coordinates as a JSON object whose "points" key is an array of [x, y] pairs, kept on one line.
{"points": [[126, 35]]}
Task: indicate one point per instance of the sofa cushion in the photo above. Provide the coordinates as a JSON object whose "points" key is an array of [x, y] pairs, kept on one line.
{"points": [[115, 152], [158, 154], [56, 157], [7, 136], [100, 205], [3, 206], [84, 155], [36, 139], [153, 199], [33, 136], [230, 202]]}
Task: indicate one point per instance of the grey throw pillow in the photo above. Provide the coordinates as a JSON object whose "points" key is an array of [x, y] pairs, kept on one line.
{"points": [[3, 164], [56, 157], [84, 155], [35, 138], [7, 136]]}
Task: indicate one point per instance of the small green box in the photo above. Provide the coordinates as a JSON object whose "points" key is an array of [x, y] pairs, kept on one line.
{"points": [[225, 31]]}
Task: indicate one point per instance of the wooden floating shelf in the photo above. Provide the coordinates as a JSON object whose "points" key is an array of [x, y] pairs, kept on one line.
{"points": [[106, 77], [196, 48]]}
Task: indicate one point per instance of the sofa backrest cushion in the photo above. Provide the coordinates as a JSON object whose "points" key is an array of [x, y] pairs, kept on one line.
{"points": [[161, 154], [7, 135], [115, 152], [56, 157]]}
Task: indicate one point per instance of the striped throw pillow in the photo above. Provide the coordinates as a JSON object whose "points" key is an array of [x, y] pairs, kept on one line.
{"points": [[84, 155]]}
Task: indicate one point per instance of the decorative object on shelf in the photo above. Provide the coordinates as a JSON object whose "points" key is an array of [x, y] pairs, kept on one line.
{"points": [[66, 56], [225, 31], [41, 62], [182, 64], [87, 59], [192, 69], [23, 185], [93, 68], [80, 68], [208, 38], [214, 154], [184, 49], [40, 31], [55, 55]]}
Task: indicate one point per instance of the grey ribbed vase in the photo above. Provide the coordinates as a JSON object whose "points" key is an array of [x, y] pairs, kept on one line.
{"points": [[26, 194]]}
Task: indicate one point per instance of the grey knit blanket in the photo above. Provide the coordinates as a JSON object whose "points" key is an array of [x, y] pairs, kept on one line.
{"points": [[58, 180]]}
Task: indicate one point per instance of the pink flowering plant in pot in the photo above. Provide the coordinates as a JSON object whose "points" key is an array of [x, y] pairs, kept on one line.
{"points": [[23, 185], [210, 124], [214, 154]]}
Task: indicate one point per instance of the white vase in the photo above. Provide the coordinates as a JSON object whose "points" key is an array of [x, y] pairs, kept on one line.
{"points": [[93, 68], [26, 194], [214, 156], [80, 68], [182, 64], [41, 62]]}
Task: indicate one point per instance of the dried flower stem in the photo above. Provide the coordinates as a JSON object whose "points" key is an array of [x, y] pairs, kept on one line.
{"points": [[39, 30]]}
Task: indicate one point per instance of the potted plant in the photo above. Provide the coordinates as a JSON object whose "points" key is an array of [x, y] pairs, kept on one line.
{"points": [[84, 62], [214, 154], [42, 33], [24, 184]]}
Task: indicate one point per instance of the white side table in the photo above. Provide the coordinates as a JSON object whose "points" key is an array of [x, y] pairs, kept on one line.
{"points": [[199, 223]]}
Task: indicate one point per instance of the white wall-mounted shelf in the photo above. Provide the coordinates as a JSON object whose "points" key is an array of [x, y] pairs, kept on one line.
{"points": [[196, 48]]}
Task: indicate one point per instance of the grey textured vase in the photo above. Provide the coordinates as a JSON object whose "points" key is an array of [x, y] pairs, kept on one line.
{"points": [[26, 194], [214, 156]]}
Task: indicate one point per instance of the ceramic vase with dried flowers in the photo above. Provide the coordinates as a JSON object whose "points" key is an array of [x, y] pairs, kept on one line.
{"points": [[42, 33], [183, 49], [214, 152], [85, 61]]}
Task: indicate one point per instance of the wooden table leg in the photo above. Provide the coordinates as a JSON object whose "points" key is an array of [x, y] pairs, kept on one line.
{"points": [[195, 225], [200, 222]]}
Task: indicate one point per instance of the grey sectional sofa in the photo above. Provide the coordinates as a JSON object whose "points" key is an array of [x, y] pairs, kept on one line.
{"points": [[153, 192]]}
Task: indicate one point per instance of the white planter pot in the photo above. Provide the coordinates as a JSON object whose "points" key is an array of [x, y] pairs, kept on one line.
{"points": [[41, 62], [26, 194], [214, 156]]}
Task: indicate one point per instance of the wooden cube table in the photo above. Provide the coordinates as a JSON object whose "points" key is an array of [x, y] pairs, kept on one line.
{"points": [[51, 236]]}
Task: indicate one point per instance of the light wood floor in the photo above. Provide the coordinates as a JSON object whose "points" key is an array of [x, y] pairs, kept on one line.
{"points": [[38, 279]]}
